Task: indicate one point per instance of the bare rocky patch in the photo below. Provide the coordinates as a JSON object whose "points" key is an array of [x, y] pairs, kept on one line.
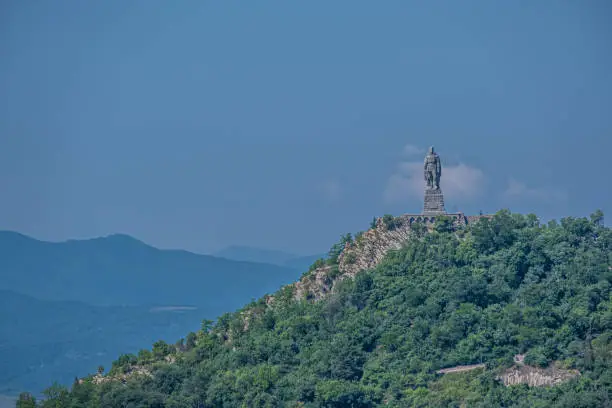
{"points": [[521, 373]]}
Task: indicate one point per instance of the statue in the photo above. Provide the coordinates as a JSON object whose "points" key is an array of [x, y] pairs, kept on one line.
{"points": [[432, 169]]}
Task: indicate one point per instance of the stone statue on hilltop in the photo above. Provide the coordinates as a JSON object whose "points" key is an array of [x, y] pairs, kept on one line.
{"points": [[432, 169], [434, 199]]}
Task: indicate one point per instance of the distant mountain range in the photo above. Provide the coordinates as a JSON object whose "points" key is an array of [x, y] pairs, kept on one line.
{"points": [[269, 256], [121, 270], [67, 307]]}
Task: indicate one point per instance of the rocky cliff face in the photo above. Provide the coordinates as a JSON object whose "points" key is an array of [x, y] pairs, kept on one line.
{"points": [[315, 285], [536, 377], [134, 371], [367, 250], [371, 247]]}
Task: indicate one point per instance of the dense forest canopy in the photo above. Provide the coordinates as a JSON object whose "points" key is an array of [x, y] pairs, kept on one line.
{"points": [[481, 294]]}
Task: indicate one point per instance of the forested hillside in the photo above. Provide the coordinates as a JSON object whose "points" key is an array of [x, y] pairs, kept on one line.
{"points": [[485, 293]]}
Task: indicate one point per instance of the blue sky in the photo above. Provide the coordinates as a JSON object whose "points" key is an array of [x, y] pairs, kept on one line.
{"points": [[199, 124]]}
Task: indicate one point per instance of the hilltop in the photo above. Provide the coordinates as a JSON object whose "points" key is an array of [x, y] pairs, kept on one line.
{"points": [[504, 311]]}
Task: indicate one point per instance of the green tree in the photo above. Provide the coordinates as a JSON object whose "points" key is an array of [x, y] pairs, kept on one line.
{"points": [[597, 217], [56, 396], [26, 400], [191, 341], [160, 349], [418, 228], [373, 223], [443, 224], [145, 356], [207, 325], [389, 222], [337, 248]]}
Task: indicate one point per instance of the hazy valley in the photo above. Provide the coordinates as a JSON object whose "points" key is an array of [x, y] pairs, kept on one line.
{"points": [[67, 308]]}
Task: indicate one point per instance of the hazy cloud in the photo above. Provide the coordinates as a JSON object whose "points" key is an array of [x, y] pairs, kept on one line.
{"points": [[519, 190], [460, 182]]}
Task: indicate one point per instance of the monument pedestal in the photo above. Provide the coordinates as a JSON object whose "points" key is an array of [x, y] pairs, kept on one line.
{"points": [[434, 202]]}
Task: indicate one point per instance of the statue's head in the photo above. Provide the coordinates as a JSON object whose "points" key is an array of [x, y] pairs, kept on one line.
{"points": [[431, 150]]}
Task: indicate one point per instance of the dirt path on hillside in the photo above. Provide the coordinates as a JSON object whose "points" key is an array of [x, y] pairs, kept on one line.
{"points": [[458, 369]]}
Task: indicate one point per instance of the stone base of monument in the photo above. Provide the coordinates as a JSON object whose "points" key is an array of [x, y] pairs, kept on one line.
{"points": [[434, 202], [430, 219]]}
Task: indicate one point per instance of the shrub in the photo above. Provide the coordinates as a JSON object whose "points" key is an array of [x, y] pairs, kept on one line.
{"points": [[350, 257]]}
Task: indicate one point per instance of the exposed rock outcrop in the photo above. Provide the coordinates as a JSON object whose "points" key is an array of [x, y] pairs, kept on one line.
{"points": [[365, 252], [369, 248], [134, 371], [521, 373], [372, 246], [316, 284], [536, 376]]}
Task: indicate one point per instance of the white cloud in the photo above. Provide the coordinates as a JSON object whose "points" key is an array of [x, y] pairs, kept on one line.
{"points": [[331, 189], [460, 182], [412, 150], [518, 190]]}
